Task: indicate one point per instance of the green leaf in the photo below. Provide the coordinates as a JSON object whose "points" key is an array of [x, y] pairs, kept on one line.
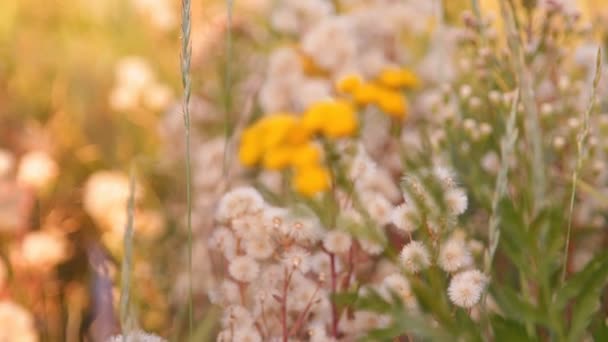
{"points": [[515, 307], [506, 330], [594, 273], [585, 287]]}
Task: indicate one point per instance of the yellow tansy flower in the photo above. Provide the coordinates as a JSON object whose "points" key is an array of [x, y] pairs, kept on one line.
{"points": [[275, 129], [393, 104], [348, 84], [311, 180], [306, 155], [277, 158], [341, 120], [366, 93], [398, 78], [250, 150]]}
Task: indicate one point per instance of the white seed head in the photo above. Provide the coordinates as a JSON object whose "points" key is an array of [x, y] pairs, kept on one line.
{"points": [[337, 241], [456, 201], [414, 257], [454, 255], [244, 269], [466, 287], [403, 217], [239, 202]]}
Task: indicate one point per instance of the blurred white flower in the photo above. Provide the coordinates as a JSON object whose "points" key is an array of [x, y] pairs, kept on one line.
{"points": [[44, 250], [243, 269], [37, 169], [454, 255], [466, 287], [337, 242], [16, 324], [136, 336], [414, 257]]}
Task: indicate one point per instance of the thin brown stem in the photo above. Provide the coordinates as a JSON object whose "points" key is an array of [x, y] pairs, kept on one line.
{"points": [[334, 308]]}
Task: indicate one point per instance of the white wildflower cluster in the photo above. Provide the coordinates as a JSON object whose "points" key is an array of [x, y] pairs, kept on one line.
{"points": [[360, 40], [136, 336], [37, 169], [136, 87], [280, 268]]}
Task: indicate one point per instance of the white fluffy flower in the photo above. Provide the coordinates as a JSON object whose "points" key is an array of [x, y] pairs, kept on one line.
{"points": [[275, 219], [378, 207], [136, 336], [371, 247], [249, 226], [414, 257], [107, 192], [244, 269], [238, 203], [400, 286], [259, 247], [454, 255], [361, 165], [236, 316], [223, 240], [445, 176], [331, 44], [296, 16], [37, 169], [404, 218], [303, 229], [297, 258], [466, 288], [226, 293], [456, 200], [247, 334], [43, 249], [320, 263], [337, 241]]}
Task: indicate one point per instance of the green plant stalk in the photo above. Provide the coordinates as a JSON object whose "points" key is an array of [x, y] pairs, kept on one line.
{"points": [[533, 132], [506, 151], [185, 57], [228, 122], [127, 264], [580, 151]]}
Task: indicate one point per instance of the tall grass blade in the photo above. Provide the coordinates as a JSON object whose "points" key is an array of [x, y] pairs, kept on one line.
{"points": [[186, 54], [580, 152], [127, 260]]}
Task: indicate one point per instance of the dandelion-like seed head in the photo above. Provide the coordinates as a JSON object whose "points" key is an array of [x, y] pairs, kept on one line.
{"points": [[456, 201], [403, 217], [337, 242], [466, 287], [414, 257], [454, 255], [238, 203], [243, 269]]}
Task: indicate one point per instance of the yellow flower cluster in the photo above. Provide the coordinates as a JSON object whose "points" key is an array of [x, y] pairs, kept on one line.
{"points": [[384, 91], [283, 140]]}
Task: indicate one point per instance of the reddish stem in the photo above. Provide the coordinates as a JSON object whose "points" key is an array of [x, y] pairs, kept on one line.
{"points": [[334, 308], [296, 328], [284, 305]]}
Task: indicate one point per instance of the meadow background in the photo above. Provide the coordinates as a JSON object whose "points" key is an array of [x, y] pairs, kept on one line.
{"points": [[92, 145]]}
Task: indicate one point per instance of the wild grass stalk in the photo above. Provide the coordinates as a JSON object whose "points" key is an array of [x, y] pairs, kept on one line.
{"points": [[506, 152], [228, 122], [533, 131], [127, 260], [185, 56], [580, 153]]}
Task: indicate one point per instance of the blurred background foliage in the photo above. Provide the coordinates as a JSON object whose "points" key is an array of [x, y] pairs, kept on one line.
{"points": [[59, 74]]}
